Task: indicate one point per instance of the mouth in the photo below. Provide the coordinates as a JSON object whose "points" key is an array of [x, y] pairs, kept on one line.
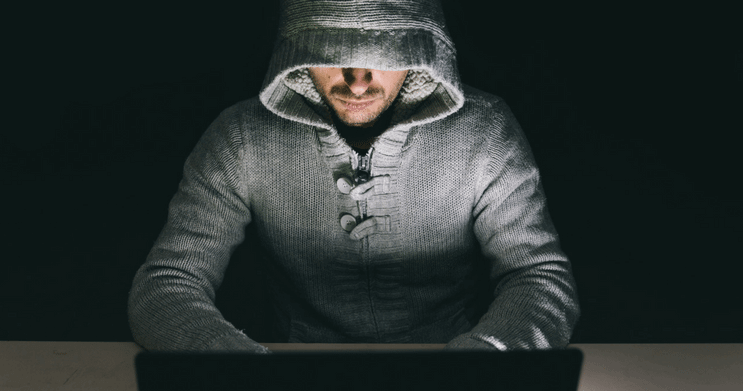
{"points": [[356, 105]]}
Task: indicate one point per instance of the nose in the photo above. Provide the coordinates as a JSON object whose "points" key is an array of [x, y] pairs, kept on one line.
{"points": [[357, 79]]}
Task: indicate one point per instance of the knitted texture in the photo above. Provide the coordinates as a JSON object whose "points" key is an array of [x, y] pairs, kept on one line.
{"points": [[453, 242], [300, 82], [384, 35], [301, 16]]}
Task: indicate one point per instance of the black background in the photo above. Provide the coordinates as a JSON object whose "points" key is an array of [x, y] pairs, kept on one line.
{"points": [[632, 113]]}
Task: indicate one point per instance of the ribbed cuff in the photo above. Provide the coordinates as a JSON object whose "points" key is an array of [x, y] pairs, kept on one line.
{"points": [[236, 343], [473, 342]]}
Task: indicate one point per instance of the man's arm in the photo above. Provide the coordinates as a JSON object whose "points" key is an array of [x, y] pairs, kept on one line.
{"points": [[535, 304], [171, 304]]}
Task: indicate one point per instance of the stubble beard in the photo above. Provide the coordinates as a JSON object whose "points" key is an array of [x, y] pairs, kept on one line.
{"points": [[364, 118]]}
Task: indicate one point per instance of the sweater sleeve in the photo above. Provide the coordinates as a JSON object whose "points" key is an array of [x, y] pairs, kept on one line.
{"points": [[171, 303], [535, 303]]}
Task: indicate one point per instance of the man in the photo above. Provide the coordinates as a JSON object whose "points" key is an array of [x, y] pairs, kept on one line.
{"points": [[387, 195]]}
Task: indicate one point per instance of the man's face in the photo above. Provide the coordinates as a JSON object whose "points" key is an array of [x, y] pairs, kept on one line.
{"points": [[358, 96]]}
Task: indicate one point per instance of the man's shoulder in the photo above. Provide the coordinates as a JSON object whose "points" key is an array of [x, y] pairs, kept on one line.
{"points": [[481, 99], [482, 108], [483, 115], [250, 116], [245, 110]]}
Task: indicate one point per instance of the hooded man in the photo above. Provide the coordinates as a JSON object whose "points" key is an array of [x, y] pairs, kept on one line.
{"points": [[395, 204]]}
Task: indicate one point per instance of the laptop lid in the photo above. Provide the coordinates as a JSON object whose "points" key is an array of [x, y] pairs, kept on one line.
{"points": [[553, 370]]}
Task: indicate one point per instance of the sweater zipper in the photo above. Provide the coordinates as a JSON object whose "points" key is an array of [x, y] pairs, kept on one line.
{"points": [[362, 175]]}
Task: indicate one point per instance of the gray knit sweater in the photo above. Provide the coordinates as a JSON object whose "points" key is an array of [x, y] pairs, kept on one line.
{"points": [[454, 212]]}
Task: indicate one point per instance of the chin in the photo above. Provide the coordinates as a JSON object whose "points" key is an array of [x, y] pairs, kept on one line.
{"points": [[359, 120]]}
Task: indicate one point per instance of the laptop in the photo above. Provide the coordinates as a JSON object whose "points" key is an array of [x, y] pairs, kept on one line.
{"points": [[547, 370]]}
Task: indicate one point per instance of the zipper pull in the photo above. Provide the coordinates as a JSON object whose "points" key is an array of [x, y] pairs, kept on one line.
{"points": [[363, 169]]}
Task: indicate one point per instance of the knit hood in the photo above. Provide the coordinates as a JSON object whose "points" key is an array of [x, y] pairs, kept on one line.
{"points": [[386, 35]]}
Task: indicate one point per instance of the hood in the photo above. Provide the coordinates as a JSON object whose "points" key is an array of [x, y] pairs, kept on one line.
{"points": [[385, 35]]}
